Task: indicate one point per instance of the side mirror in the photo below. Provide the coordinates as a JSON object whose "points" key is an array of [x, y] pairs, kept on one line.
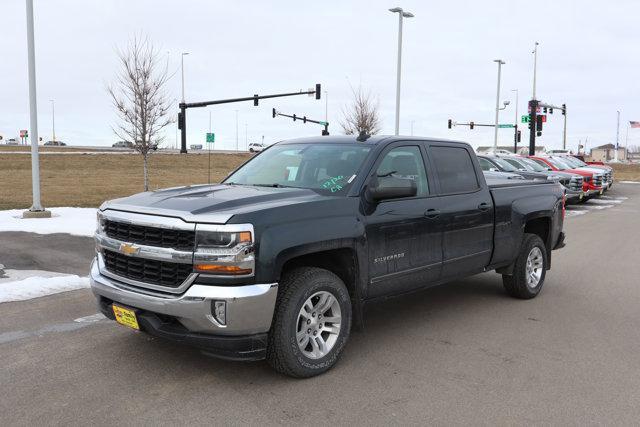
{"points": [[493, 170], [389, 187]]}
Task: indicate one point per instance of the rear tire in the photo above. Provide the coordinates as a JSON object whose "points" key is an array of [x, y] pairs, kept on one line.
{"points": [[311, 324], [529, 270]]}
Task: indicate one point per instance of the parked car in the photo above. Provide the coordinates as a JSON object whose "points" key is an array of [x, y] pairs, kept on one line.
{"points": [[55, 143], [501, 175], [123, 144], [256, 147], [502, 164], [607, 170], [571, 162], [572, 182], [591, 184], [279, 260]]}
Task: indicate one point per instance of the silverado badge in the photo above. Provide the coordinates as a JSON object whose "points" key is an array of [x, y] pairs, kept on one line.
{"points": [[129, 249]]}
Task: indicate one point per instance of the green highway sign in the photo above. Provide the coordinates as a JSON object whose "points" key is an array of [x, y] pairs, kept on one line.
{"points": [[506, 126], [211, 137], [525, 119]]}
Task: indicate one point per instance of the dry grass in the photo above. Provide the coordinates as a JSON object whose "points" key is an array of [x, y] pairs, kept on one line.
{"points": [[86, 180], [626, 172]]}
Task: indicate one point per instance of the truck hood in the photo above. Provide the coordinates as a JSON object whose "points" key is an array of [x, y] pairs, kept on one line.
{"points": [[210, 203]]}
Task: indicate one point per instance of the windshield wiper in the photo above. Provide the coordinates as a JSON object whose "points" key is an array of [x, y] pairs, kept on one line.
{"points": [[384, 175], [274, 185]]}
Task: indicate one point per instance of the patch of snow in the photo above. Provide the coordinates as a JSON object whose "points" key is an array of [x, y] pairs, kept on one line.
{"points": [[629, 182], [90, 319], [76, 221], [38, 286], [604, 202]]}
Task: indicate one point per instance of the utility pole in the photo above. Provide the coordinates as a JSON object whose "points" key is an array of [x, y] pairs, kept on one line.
{"points": [[564, 127], [246, 135], [237, 130], [533, 105], [182, 118], [615, 157], [36, 209], [401, 14], [495, 130], [412, 122], [326, 106]]}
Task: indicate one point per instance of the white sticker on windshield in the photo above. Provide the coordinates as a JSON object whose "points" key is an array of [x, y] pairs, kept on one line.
{"points": [[351, 179]]}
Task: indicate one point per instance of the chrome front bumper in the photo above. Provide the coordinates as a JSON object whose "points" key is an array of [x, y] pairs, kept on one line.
{"points": [[249, 308]]}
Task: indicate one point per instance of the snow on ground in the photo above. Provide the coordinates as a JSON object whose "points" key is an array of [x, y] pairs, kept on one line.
{"points": [[76, 221], [46, 283], [629, 182]]}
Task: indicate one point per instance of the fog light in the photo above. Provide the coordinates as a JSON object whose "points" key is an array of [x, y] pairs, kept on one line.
{"points": [[219, 309]]}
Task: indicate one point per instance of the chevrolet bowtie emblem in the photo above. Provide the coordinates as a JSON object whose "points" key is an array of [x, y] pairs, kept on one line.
{"points": [[129, 249]]}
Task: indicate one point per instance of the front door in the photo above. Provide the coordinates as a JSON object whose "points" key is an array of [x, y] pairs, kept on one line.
{"points": [[403, 235]]}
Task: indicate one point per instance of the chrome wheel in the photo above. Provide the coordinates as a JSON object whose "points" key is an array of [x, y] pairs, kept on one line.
{"points": [[535, 264], [318, 325]]}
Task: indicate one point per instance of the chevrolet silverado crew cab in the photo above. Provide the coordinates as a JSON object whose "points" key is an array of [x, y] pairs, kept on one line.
{"points": [[278, 261]]}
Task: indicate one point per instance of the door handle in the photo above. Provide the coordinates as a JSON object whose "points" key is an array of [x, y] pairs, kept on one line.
{"points": [[483, 206], [432, 213]]}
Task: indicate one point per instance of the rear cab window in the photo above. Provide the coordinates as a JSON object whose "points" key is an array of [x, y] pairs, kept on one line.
{"points": [[455, 170]]}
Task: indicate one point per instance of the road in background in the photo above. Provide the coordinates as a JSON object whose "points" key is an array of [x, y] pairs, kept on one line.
{"points": [[462, 353]]}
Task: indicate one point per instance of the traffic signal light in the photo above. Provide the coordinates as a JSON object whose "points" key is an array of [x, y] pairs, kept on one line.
{"points": [[180, 120], [519, 136], [273, 113], [539, 121], [294, 117], [544, 110], [255, 99], [317, 90], [304, 119], [450, 123], [564, 109], [471, 124], [550, 110]]}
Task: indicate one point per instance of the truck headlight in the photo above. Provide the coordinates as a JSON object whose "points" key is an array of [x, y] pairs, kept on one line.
{"points": [[99, 222], [225, 250]]}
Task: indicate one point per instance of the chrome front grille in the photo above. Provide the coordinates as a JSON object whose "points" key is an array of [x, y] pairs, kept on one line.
{"points": [[159, 273], [575, 183], [597, 180]]}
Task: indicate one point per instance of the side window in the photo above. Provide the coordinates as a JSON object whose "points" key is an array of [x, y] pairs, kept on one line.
{"points": [[485, 164], [455, 169], [406, 163]]}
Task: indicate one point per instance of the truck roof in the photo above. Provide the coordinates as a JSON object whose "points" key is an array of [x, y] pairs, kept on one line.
{"points": [[371, 140]]}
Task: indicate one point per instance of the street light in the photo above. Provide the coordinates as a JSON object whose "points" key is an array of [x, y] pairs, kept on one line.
{"points": [[515, 135], [535, 67], [53, 119], [401, 14], [182, 68], [237, 130], [495, 129]]}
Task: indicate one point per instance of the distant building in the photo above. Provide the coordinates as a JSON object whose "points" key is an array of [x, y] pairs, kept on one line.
{"points": [[607, 152], [522, 149]]}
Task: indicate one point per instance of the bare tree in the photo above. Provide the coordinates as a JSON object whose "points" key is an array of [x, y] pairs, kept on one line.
{"points": [[139, 98], [362, 115]]}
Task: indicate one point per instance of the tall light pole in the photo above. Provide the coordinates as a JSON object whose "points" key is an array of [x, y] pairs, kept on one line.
{"points": [[515, 122], [36, 208], [615, 156], [236, 130], [53, 119], [326, 106], [495, 129], [535, 69], [182, 69], [401, 14], [246, 135], [412, 122]]}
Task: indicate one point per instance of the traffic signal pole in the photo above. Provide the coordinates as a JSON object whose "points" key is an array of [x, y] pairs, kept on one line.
{"points": [[533, 120], [304, 119], [182, 117]]}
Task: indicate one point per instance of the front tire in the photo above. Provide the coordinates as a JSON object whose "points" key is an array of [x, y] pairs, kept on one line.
{"points": [[311, 324], [530, 269]]}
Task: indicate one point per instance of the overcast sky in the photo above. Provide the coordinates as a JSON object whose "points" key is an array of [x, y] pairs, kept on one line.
{"points": [[588, 58]]}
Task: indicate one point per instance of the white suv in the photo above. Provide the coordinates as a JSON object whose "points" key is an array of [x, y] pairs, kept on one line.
{"points": [[255, 147]]}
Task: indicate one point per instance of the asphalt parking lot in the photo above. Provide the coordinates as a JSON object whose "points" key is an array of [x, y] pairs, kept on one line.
{"points": [[462, 353]]}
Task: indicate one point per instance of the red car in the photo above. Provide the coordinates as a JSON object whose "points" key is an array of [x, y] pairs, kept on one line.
{"points": [[590, 186]]}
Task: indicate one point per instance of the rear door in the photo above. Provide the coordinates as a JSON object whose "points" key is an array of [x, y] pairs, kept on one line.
{"points": [[466, 210], [404, 237]]}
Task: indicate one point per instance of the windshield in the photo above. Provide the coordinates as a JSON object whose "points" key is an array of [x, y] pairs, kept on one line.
{"points": [[326, 167], [572, 161], [558, 163], [535, 166], [504, 165], [517, 164]]}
